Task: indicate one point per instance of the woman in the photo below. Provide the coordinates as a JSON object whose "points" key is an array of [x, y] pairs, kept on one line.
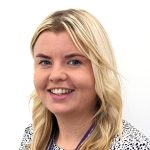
{"points": [[77, 99]]}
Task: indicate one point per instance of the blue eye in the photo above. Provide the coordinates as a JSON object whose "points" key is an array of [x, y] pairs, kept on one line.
{"points": [[74, 62], [45, 62]]}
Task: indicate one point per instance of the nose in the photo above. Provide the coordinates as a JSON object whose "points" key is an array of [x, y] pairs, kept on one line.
{"points": [[57, 73]]}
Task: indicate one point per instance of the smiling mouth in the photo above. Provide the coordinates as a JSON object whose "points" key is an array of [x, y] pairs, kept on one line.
{"points": [[60, 91]]}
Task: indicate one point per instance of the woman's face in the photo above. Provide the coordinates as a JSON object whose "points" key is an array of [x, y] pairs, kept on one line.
{"points": [[63, 76]]}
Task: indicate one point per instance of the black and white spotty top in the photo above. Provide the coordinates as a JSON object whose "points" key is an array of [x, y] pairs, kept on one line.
{"points": [[132, 139]]}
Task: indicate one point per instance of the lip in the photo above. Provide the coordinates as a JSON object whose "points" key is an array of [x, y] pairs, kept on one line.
{"points": [[62, 97], [60, 88]]}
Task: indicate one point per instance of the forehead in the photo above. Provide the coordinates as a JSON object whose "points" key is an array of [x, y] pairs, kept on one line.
{"points": [[54, 43]]}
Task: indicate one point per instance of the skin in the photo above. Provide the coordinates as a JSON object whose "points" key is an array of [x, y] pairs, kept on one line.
{"points": [[58, 64]]}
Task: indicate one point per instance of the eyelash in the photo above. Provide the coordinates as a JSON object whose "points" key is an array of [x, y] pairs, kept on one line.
{"points": [[74, 62], [44, 62]]}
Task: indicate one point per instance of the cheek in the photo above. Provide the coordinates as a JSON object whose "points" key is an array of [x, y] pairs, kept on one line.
{"points": [[36, 80], [40, 80], [85, 80]]}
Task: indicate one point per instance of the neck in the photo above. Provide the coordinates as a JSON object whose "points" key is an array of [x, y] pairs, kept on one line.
{"points": [[72, 129]]}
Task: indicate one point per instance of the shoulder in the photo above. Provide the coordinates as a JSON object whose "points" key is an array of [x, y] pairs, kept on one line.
{"points": [[131, 138], [26, 138]]}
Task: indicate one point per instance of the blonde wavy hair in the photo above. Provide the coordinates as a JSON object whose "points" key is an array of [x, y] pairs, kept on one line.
{"points": [[91, 39]]}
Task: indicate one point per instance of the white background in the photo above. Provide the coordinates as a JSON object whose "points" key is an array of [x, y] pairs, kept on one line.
{"points": [[127, 23]]}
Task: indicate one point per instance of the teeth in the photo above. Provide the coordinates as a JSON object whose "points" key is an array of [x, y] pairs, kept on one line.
{"points": [[60, 91]]}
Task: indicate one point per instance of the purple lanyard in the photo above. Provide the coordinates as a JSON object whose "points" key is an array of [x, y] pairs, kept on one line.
{"points": [[87, 134]]}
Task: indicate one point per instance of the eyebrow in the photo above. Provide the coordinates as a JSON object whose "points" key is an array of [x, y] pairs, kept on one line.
{"points": [[66, 56], [73, 55], [43, 56]]}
